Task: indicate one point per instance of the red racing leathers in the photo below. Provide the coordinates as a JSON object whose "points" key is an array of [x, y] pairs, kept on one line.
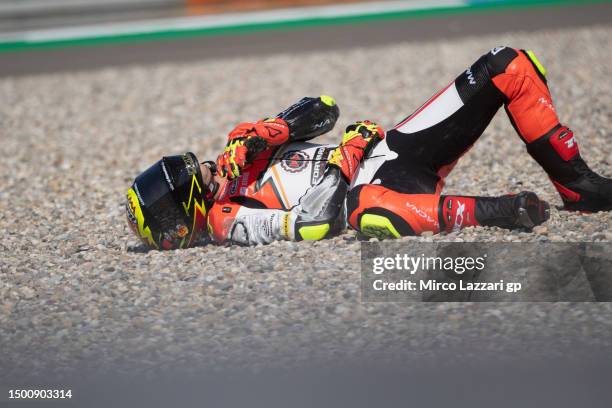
{"points": [[395, 189], [404, 195]]}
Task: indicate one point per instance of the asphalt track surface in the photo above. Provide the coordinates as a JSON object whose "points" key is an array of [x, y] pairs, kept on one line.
{"points": [[321, 38]]}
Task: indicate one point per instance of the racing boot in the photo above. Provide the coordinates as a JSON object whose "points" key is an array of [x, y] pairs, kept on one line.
{"points": [[523, 211], [357, 142], [581, 189]]}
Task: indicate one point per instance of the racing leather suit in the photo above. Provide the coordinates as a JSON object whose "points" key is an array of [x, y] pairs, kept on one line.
{"points": [[282, 185], [396, 190]]}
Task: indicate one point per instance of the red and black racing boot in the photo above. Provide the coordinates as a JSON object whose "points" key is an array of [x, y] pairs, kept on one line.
{"points": [[514, 211], [581, 189]]}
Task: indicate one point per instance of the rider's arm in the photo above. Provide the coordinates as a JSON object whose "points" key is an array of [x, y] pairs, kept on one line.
{"points": [[304, 120], [308, 118], [248, 226], [318, 214]]}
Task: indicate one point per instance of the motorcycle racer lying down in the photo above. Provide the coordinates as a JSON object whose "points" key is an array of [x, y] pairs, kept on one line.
{"points": [[272, 184]]}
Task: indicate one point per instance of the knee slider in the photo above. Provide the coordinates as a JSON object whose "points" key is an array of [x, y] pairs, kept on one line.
{"points": [[365, 220], [371, 218], [378, 226], [383, 224]]}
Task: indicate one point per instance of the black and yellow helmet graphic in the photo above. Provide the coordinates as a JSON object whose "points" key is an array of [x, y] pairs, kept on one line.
{"points": [[167, 204]]}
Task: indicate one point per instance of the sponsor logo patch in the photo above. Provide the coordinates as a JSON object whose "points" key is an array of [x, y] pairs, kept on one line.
{"points": [[190, 165], [459, 216], [496, 50], [565, 144], [546, 103], [294, 161], [470, 77], [422, 214], [322, 123], [182, 231], [318, 167]]}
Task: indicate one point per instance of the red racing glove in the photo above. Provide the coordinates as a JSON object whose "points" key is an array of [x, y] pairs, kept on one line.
{"points": [[239, 153], [274, 131], [248, 139], [357, 142]]}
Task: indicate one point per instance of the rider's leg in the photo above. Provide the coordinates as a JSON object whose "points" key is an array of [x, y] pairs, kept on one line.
{"points": [[445, 127], [521, 78], [437, 134], [377, 211]]}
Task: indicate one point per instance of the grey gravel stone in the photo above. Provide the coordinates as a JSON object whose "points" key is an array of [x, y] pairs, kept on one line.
{"points": [[540, 230], [27, 292]]}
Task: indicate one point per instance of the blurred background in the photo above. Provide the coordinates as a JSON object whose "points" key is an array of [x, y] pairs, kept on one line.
{"points": [[66, 34], [28, 14]]}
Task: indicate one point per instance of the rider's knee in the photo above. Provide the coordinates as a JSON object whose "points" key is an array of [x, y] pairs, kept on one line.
{"points": [[517, 62], [498, 59], [480, 74], [369, 215], [383, 223]]}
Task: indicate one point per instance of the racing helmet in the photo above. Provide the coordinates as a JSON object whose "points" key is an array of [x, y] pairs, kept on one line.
{"points": [[167, 204]]}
